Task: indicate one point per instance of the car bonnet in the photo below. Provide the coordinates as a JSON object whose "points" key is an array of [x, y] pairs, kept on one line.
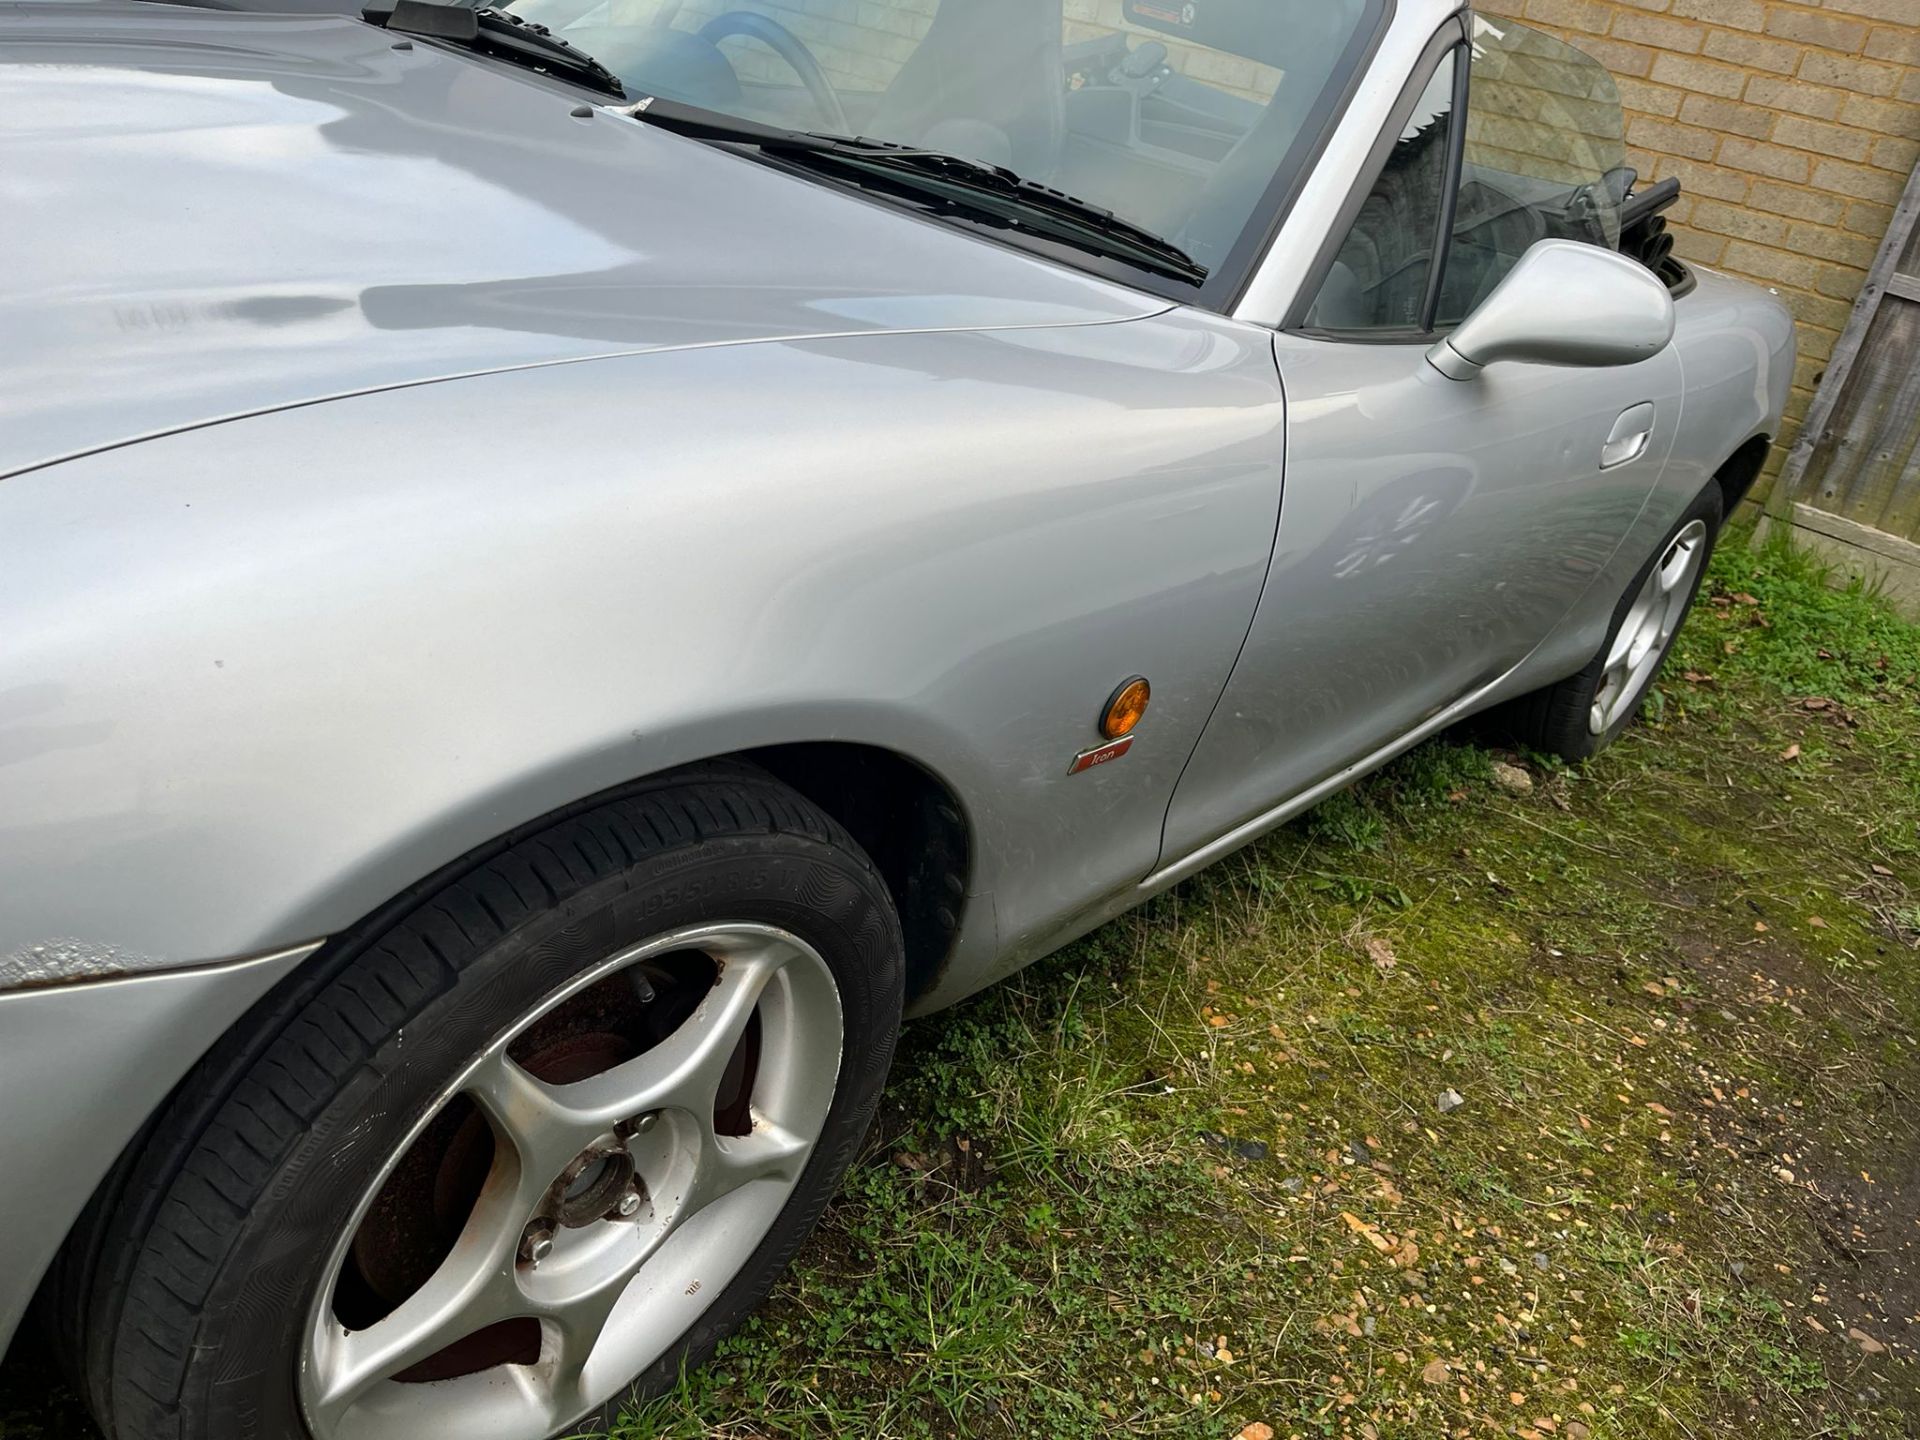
{"points": [[212, 214]]}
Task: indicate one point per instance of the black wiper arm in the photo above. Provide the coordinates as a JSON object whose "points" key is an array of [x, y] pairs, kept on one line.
{"points": [[949, 181], [494, 32]]}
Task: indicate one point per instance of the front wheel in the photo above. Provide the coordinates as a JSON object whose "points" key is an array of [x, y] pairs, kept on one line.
{"points": [[530, 1150], [1583, 714]]}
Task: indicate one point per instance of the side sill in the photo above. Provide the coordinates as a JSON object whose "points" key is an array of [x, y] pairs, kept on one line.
{"points": [[1245, 834]]}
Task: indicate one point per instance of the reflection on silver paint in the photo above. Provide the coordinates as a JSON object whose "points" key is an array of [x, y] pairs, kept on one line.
{"points": [[259, 210], [1433, 532]]}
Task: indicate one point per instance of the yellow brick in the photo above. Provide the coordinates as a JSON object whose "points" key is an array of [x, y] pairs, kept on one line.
{"points": [[1663, 33], [1817, 344], [1708, 77], [1799, 133], [1769, 160], [1706, 180], [1735, 14], [1840, 282], [1862, 183], [1883, 117], [1853, 251], [1648, 98], [1847, 72], [1899, 44], [1864, 217], [1740, 223], [1618, 56], [1673, 139], [1894, 10], [1812, 309], [1776, 267], [1728, 116], [1846, 36], [1895, 154], [1591, 16], [1799, 202], [1794, 97], [1701, 249], [1750, 50]]}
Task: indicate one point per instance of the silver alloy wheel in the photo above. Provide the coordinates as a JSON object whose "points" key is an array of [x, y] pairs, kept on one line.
{"points": [[612, 1295], [1649, 628]]}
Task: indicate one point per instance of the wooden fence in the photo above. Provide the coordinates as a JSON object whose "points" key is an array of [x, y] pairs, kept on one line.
{"points": [[1851, 486]]}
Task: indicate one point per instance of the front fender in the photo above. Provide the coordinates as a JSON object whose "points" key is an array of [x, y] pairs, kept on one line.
{"points": [[262, 676]]}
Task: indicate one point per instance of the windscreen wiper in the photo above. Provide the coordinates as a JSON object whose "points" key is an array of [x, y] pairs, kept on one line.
{"points": [[497, 33], [934, 179]]}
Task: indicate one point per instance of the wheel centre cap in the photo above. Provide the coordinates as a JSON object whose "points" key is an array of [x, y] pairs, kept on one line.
{"points": [[591, 1186]]}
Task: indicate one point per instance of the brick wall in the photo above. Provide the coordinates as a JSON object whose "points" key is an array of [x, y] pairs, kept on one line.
{"points": [[1793, 127]]}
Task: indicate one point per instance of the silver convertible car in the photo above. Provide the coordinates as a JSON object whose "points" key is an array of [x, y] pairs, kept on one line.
{"points": [[564, 566]]}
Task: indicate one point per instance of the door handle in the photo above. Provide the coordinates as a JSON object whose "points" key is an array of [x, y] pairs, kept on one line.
{"points": [[1632, 433]]}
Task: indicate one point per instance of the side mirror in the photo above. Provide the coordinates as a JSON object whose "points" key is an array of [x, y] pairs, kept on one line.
{"points": [[1564, 304]]}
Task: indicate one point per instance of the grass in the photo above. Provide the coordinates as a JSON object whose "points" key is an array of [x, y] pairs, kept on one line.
{"points": [[1193, 1176]]}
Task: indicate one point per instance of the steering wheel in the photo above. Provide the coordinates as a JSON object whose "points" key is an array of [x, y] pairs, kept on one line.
{"points": [[790, 48]]}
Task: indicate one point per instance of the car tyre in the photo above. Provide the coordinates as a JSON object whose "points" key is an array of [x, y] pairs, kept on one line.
{"points": [[687, 942], [1585, 713]]}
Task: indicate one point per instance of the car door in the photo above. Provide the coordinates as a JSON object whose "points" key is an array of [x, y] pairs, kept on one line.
{"points": [[1433, 532]]}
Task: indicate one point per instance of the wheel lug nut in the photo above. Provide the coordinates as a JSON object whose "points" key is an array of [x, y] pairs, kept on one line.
{"points": [[537, 1243], [641, 1124]]}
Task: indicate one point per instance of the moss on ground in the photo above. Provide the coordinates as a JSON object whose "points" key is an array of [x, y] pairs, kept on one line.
{"points": [[1196, 1175]]}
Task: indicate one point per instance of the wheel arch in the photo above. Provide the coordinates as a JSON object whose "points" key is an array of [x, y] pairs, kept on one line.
{"points": [[909, 819], [911, 824], [1738, 475]]}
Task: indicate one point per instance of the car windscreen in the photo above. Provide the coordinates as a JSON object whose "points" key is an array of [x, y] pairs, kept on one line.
{"points": [[1183, 120]]}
